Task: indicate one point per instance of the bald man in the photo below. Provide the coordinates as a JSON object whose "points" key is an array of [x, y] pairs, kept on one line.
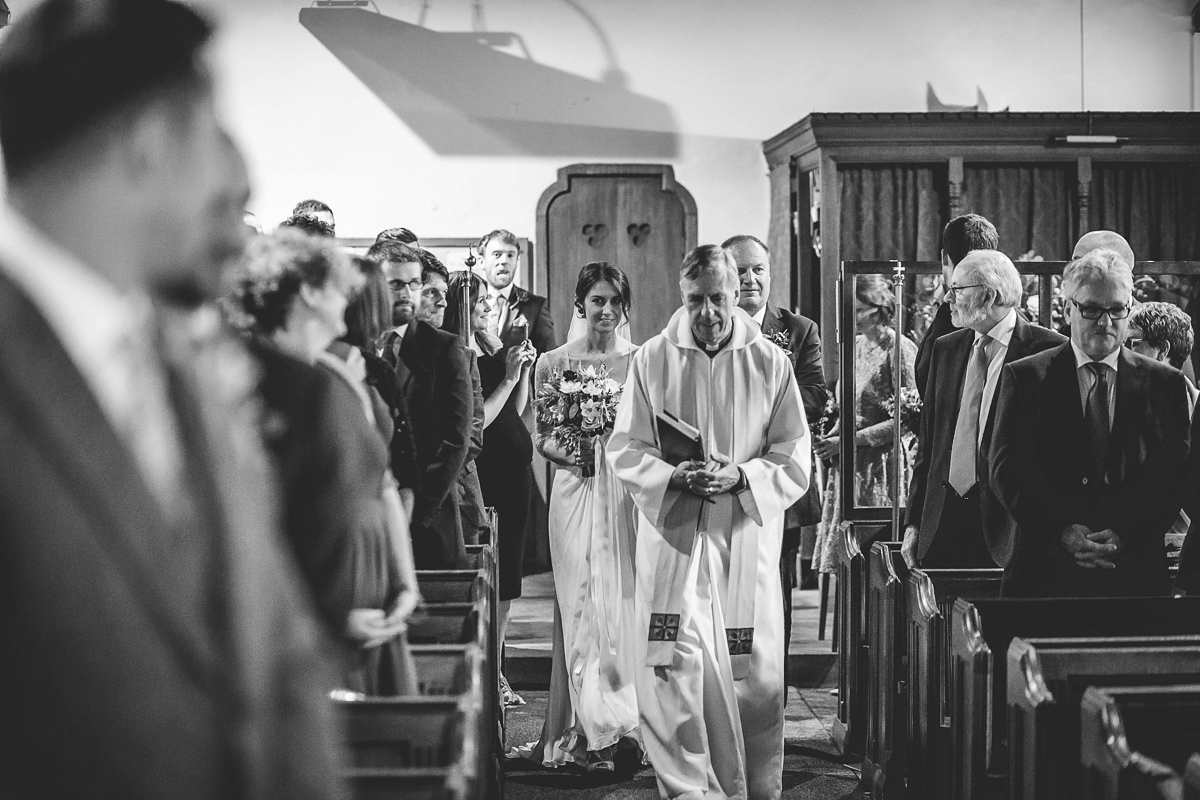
{"points": [[1106, 240]]}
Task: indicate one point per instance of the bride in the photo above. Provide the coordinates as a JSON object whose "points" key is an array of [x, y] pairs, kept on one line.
{"points": [[591, 705]]}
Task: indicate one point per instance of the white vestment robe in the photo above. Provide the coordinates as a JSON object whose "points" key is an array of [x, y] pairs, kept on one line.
{"points": [[710, 680]]}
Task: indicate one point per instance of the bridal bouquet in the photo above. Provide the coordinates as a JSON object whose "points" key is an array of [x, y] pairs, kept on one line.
{"points": [[577, 404], [910, 409]]}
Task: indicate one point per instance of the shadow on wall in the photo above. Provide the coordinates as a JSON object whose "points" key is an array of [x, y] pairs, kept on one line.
{"points": [[464, 98]]}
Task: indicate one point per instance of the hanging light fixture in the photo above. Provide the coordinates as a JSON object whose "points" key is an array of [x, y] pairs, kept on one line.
{"points": [[5, 14]]}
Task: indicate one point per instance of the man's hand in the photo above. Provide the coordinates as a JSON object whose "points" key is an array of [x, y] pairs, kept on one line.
{"points": [[716, 478], [908, 548], [679, 478], [1091, 549], [828, 448]]}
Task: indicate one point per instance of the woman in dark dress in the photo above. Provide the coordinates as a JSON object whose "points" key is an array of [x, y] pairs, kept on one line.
{"points": [[294, 289], [504, 463]]}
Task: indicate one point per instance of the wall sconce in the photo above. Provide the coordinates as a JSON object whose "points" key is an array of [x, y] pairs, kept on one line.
{"points": [[1090, 140]]}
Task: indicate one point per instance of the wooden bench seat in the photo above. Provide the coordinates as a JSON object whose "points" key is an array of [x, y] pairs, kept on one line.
{"points": [[929, 596], [1046, 682], [1135, 739], [849, 728], [981, 631]]}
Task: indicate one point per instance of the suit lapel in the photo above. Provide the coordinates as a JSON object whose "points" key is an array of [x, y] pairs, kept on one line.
{"points": [[1065, 408], [516, 303], [50, 396], [409, 354], [1128, 405], [959, 357], [772, 323]]}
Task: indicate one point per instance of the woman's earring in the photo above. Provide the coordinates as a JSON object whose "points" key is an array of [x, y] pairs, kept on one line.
{"points": [[579, 311]]}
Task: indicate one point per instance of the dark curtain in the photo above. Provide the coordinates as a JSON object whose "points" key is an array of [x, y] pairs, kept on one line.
{"points": [[892, 212], [1032, 206], [1156, 206]]}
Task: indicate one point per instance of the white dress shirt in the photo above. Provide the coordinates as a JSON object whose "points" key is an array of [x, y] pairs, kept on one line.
{"points": [[1001, 333], [1087, 379], [109, 337], [761, 316]]}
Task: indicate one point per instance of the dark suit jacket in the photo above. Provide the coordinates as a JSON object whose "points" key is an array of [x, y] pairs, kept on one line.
{"points": [[144, 658], [804, 342], [1188, 578], [1040, 471], [382, 378], [540, 328], [434, 377], [938, 327], [939, 418], [306, 424]]}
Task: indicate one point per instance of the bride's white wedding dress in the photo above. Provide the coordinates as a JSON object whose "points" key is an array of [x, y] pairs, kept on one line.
{"points": [[592, 704]]}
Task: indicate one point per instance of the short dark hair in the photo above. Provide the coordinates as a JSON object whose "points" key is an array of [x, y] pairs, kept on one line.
{"points": [[402, 235], [1165, 324], [431, 265], [309, 224], [68, 67], [704, 258], [386, 252], [508, 237], [311, 207], [602, 272], [966, 233], [742, 238]]}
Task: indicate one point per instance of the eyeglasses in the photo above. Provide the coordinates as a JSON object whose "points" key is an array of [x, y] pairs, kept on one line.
{"points": [[952, 288], [1134, 341], [413, 286], [1091, 312]]}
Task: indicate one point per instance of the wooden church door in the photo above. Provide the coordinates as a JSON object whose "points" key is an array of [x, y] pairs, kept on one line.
{"points": [[634, 216]]}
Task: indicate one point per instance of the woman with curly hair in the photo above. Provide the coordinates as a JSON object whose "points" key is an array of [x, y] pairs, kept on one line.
{"points": [[293, 289]]}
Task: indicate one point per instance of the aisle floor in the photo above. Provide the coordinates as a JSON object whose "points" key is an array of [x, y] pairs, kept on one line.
{"points": [[812, 769]]}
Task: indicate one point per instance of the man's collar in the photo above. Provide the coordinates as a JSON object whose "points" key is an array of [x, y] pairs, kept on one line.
{"points": [[1082, 359], [1002, 331], [506, 292], [761, 316]]}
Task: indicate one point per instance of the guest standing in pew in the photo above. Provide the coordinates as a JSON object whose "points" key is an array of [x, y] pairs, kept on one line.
{"points": [[1097, 240], [950, 503], [800, 341], [960, 236], [295, 288], [434, 378], [157, 641], [1163, 332], [466, 317], [710, 685], [315, 208], [592, 703], [1089, 451], [368, 318], [519, 319]]}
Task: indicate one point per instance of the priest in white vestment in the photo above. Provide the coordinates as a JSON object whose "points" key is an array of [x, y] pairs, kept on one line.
{"points": [[710, 683]]}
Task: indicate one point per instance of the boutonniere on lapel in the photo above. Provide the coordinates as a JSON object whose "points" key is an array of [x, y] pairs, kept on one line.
{"points": [[781, 340]]}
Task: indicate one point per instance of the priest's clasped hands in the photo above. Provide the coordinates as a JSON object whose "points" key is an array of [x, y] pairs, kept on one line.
{"points": [[704, 480]]}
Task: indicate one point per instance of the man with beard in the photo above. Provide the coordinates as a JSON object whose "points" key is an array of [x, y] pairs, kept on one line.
{"points": [[434, 377], [156, 639], [949, 505], [515, 314], [1090, 448]]}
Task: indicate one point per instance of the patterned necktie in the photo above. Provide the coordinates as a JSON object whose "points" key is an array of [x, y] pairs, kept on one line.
{"points": [[964, 453], [495, 314], [1097, 418]]}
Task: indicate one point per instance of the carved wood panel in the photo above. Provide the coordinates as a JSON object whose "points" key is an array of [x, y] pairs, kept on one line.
{"points": [[633, 216]]}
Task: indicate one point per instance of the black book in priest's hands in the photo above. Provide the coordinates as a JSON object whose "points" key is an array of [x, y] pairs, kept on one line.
{"points": [[679, 441]]}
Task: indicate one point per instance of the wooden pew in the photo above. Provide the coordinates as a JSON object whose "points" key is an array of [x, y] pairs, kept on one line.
{"points": [[849, 729], [982, 628], [887, 660], [1135, 739], [1046, 682], [410, 748], [929, 596]]}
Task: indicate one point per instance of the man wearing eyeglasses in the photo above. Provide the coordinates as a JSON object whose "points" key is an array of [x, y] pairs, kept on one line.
{"points": [[1089, 451], [433, 376], [950, 505]]}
